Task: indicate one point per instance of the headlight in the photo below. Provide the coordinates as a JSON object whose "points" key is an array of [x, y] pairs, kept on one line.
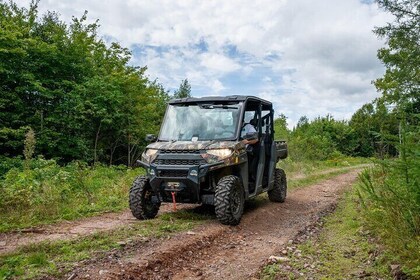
{"points": [[149, 155], [220, 153]]}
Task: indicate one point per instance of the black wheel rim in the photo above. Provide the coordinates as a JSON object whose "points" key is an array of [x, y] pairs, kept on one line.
{"points": [[236, 201], [283, 187], [147, 201]]}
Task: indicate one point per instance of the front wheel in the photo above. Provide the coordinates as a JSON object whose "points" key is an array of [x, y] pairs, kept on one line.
{"points": [[229, 200], [140, 199], [279, 191]]}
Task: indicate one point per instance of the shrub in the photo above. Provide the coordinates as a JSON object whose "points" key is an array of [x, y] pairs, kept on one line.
{"points": [[48, 192], [7, 163], [391, 202]]}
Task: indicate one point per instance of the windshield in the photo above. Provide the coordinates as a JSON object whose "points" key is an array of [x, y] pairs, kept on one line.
{"points": [[195, 122]]}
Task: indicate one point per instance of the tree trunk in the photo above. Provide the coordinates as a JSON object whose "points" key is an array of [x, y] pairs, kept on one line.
{"points": [[128, 151], [95, 156]]}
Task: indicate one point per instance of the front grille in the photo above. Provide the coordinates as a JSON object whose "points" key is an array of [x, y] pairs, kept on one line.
{"points": [[179, 151], [179, 161], [173, 173]]}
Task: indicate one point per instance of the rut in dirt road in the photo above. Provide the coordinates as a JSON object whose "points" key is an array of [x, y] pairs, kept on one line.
{"points": [[74, 229], [214, 251]]}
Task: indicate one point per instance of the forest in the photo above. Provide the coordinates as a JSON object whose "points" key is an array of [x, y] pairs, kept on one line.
{"points": [[84, 101], [74, 113]]}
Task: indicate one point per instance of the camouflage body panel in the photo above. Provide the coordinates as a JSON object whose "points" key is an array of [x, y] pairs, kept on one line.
{"points": [[237, 147]]}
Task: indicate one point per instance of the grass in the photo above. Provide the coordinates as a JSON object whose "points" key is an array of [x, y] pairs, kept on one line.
{"points": [[391, 209], [48, 193], [57, 258], [344, 249]]}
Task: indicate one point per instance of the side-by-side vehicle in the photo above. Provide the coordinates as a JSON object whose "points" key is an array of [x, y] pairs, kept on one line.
{"points": [[201, 156]]}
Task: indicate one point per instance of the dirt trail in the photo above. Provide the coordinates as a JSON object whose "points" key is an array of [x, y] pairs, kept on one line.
{"points": [[298, 176], [213, 251], [73, 229], [67, 230]]}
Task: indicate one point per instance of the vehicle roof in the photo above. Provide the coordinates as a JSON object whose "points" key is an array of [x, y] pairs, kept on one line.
{"points": [[219, 99]]}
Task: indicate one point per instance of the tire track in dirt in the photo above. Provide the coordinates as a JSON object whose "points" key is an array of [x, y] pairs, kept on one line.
{"points": [[300, 175], [214, 251], [11, 241]]}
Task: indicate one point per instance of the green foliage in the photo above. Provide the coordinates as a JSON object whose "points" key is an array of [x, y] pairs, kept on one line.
{"points": [[401, 82], [7, 163], [184, 90], [376, 130], [46, 192], [392, 210], [78, 94], [280, 128], [323, 138]]}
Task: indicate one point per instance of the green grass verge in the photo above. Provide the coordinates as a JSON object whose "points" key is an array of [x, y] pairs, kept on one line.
{"points": [[391, 208], [57, 258], [344, 249]]}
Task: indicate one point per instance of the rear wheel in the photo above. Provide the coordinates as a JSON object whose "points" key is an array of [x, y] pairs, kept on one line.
{"points": [[140, 199], [279, 192], [229, 200]]}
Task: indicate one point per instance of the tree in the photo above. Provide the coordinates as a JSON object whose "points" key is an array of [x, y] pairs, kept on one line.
{"points": [[376, 130], [78, 93], [401, 57], [184, 90], [322, 138], [280, 128], [400, 84]]}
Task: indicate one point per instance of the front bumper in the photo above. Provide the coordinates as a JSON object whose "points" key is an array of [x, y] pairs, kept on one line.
{"points": [[184, 180]]}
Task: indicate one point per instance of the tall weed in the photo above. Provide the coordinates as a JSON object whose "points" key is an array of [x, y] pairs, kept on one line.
{"points": [[390, 195], [47, 192]]}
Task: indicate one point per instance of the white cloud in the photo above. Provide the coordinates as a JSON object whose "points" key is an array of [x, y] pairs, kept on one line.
{"points": [[217, 86], [317, 57], [218, 63]]}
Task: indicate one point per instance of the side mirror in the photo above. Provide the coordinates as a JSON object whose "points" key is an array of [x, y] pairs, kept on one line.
{"points": [[150, 138], [251, 136]]}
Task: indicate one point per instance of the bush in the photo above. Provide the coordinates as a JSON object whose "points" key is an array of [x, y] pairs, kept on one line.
{"points": [[391, 199], [7, 163], [311, 147], [47, 192]]}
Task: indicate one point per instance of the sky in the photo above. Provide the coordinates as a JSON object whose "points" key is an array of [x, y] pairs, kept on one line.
{"points": [[310, 58]]}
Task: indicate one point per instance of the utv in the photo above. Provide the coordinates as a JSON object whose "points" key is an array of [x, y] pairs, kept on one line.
{"points": [[200, 157]]}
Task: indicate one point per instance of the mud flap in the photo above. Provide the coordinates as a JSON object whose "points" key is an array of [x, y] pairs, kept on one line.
{"points": [[207, 199]]}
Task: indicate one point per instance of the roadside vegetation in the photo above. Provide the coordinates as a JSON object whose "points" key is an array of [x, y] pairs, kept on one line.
{"points": [[45, 192], [391, 210]]}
